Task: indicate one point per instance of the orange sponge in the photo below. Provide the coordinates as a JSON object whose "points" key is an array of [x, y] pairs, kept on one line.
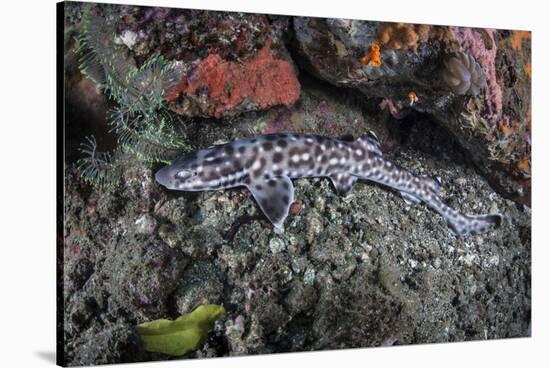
{"points": [[405, 35]]}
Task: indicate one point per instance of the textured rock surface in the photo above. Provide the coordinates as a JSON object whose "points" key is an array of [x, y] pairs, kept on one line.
{"points": [[230, 87], [360, 270], [493, 127], [228, 62]]}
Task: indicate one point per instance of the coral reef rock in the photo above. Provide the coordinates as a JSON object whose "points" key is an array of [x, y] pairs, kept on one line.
{"points": [[227, 62], [492, 125], [357, 270]]}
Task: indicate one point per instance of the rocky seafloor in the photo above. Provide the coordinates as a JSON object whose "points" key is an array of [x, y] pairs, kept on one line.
{"points": [[360, 270]]}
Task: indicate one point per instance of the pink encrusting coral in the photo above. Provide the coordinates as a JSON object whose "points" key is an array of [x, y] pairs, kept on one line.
{"points": [[480, 43], [261, 82]]}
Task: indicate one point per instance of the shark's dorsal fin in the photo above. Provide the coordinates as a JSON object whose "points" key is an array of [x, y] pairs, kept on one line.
{"points": [[274, 196], [370, 140], [433, 182]]}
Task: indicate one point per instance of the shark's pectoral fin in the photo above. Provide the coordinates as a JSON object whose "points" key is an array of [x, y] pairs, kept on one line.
{"points": [[274, 196], [409, 198], [343, 182]]}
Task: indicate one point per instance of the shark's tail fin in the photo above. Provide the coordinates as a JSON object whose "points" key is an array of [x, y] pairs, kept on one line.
{"points": [[470, 225]]}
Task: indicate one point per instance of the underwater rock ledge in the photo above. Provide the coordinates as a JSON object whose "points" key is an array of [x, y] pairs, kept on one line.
{"points": [[492, 121]]}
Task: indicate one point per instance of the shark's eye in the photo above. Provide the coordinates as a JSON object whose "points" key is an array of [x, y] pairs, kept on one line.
{"points": [[184, 174]]}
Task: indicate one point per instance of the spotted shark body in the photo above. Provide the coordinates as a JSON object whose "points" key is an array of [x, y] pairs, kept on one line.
{"points": [[266, 164]]}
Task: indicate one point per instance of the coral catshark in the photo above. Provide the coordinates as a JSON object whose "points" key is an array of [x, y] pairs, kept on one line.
{"points": [[266, 164]]}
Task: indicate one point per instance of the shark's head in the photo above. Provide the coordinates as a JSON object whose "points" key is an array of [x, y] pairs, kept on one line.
{"points": [[182, 174]]}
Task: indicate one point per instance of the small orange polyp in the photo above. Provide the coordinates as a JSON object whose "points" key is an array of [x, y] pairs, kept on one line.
{"points": [[373, 56], [523, 164], [413, 98]]}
